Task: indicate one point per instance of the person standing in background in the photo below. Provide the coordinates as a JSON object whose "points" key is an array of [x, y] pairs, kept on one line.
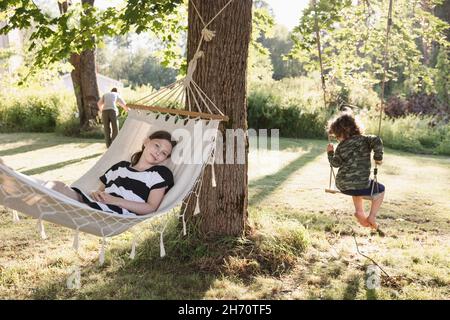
{"points": [[109, 114]]}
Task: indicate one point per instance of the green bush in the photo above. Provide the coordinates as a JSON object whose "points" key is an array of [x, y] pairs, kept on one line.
{"points": [[294, 106], [412, 133], [35, 116], [69, 127], [444, 146], [33, 110], [299, 124], [267, 110]]}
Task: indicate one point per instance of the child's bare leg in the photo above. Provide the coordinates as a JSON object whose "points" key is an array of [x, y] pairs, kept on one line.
{"points": [[64, 189], [359, 211], [376, 204]]}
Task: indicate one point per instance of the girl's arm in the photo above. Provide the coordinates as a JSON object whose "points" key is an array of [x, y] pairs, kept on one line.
{"points": [[376, 144], [333, 157], [154, 200]]}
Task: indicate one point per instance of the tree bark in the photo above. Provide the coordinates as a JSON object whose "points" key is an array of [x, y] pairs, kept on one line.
{"points": [[426, 47], [443, 11], [89, 88], [222, 74], [84, 78]]}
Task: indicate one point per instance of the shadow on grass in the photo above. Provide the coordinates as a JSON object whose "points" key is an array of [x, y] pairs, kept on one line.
{"points": [[27, 148], [58, 165], [190, 270], [268, 184], [146, 277], [36, 142], [292, 143]]}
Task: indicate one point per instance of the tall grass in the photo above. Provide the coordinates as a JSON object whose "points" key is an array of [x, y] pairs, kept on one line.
{"points": [[413, 133], [34, 110], [292, 105]]}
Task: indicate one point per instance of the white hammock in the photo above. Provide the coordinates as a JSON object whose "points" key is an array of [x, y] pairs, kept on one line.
{"points": [[32, 198], [192, 153]]}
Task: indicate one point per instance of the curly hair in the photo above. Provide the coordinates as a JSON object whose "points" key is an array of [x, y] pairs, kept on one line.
{"points": [[345, 126]]}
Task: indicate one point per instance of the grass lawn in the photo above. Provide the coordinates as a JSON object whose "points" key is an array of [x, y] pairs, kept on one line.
{"points": [[302, 248]]}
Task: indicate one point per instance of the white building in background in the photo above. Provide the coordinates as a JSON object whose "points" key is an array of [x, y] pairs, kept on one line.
{"points": [[105, 84], [13, 41]]}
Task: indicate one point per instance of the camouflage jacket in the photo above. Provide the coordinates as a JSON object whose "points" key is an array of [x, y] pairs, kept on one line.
{"points": [[352, 157]]}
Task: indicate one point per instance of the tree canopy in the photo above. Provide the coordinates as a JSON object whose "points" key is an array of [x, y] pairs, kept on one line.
{"points": [[353, 41]]}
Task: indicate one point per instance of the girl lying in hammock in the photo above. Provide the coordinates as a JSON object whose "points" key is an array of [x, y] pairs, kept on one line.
{"points": [[135, 187]]}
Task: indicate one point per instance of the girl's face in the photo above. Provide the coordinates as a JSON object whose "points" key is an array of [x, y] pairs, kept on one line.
{"points": [[156, 150]]}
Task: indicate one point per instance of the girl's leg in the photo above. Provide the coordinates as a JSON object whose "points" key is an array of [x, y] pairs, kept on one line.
{"points": [[64, 189], [10, 186], [376, 204], [359, 211]]}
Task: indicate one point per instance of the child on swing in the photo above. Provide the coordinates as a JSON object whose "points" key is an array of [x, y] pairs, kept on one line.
{"points": [[352, 157]]}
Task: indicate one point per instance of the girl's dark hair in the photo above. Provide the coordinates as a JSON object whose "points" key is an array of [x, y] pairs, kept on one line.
{"points": [[164, 135], [344, 126]]}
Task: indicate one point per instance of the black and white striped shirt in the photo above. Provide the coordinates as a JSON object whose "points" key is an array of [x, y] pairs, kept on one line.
{"points": [[125, 182]]}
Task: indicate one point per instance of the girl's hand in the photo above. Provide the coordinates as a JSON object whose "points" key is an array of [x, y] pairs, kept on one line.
{"points": [[330, 147], [108, 199], [96, 195], [104, 197], [379, 162]]}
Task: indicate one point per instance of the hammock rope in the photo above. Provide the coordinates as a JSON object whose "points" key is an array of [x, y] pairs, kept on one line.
{"points": [[324, 90], [189, 89], [383, 84]]}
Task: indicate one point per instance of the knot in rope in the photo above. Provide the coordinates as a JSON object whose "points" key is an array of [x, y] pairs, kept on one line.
{"points": [[207, 34], [192, 66]]}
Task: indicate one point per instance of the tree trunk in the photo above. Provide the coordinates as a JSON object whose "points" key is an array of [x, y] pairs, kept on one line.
{"points": [[222, 74], [89, 88], [443, 11], [76, 82], [426, 47], [84, 78]]}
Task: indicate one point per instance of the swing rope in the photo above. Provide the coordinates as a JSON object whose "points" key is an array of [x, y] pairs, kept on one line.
{"points": [[383, 85], [324, 89], [319, 51]]}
